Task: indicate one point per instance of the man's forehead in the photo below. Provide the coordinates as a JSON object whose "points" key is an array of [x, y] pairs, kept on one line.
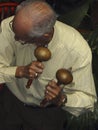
{"points": [[21, 24]]}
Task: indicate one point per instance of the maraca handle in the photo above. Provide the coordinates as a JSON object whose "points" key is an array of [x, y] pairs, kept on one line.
{"points": [[44, 102], [29, 83]]}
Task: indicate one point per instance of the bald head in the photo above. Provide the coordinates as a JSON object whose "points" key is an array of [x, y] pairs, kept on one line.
{"points": [[36, 17]]}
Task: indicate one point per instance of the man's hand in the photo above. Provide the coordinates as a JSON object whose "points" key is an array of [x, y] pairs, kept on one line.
{"points": [[53, 94], [52, 90], [29, 71]]}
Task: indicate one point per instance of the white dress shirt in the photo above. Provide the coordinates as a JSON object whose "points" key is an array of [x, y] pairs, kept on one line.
{"points": [[68, 48]]}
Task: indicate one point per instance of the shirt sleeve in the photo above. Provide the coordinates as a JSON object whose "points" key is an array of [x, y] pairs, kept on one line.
{"points": [[81, 94], [7, 56]]}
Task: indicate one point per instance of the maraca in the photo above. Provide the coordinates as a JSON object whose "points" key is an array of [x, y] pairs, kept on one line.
{"points": [[42, 54], [63, 76]]}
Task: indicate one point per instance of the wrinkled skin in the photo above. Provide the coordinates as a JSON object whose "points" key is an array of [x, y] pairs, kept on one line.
{"points": [[30, 70]]}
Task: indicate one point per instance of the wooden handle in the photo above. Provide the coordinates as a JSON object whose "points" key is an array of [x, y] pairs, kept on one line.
{"points": [[29, 83]]}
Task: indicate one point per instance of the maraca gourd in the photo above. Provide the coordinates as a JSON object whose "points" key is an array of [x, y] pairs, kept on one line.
{"points": [[42, 54], [64, 76]]}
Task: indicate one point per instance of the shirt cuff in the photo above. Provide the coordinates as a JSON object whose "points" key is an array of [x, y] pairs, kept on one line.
{"points": [[6, 74]]}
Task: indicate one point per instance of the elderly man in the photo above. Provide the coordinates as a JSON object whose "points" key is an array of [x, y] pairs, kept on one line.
{"points": [[35, 25]]}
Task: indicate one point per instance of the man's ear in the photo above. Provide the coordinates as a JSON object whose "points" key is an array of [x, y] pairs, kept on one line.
{"points": [[49, 34], [46, 35]]}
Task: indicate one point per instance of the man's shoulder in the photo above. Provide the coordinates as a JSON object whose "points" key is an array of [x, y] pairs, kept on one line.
{"points": [[5, 23], [7, 20], [65, 27]]}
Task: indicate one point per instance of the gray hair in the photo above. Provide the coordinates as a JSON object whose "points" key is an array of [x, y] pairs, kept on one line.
{"points": [[42, 15]]}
